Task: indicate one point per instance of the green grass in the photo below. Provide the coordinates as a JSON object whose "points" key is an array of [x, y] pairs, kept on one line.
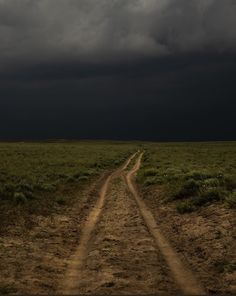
{"points": [[34, 173], [192, 175]]}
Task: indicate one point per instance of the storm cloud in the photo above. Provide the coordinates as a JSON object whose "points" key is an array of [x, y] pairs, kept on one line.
{"points": [[166, 67], [97, 30]]}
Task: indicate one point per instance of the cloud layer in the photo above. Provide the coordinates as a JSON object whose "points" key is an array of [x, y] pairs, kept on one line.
{"points": [[98, 30], [144, 69]]}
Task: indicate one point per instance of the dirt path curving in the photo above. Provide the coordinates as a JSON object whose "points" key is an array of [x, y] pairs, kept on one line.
{"points": [[183, 276], [77, 260], [121, 249]]}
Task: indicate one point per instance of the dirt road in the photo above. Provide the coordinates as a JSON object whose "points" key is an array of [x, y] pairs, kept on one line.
{"points": [[122, 251]]}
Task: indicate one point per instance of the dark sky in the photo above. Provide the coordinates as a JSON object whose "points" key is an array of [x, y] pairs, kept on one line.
{"points": [[118, 69]]}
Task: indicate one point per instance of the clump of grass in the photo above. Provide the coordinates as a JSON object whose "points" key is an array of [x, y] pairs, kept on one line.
{"points": [[83, 178], [117, 162], [150, 176], [80, 176], [198, 175], [97, 165], [231, 200], [70, 179], [150, 181], [203, 198], [187, 188], [20, 198], [46, 187], [25, 186], [173, 174], [210, 195], [211, 182], [150, 172], [185, 207]]}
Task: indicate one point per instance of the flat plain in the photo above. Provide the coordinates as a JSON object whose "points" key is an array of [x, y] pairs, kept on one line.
{"points": [[70, 222]]}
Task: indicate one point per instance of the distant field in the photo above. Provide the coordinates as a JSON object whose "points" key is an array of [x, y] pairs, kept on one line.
{"points": [[29, 172], [192, 175]]}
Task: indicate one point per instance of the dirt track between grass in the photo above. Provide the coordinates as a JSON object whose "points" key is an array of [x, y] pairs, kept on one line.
{"points": [[121, 249], [108, 241], [77, 261]]}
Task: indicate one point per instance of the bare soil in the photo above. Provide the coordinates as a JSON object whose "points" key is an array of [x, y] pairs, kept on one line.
{"points": [[122, 255], [34, 260], [115, 241], [205, 240]]}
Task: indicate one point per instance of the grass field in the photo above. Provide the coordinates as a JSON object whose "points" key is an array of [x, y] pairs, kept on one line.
{"points": [[33, 176], [191, 174]]}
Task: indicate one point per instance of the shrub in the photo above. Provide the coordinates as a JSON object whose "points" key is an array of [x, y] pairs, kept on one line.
{"points": [[212, 194], [185, 207], [150, 172], [173, 171], [87, 173], [25, 187], [153, 181], [47, 187], [198, 175], [231, 200], [150, 181], [212, 182], [70, 179], [187, 189], [117, 162], [175, 177], [20, 198], [208, 196], [83, 178]]}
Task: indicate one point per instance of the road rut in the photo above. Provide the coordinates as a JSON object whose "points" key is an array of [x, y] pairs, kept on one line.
{"points": [[77, 261], [181, 273], [122, 251]]}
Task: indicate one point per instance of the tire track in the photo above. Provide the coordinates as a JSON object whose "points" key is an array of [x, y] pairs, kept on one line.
{"points": [[77, 260], [122, 257], [182, 275]]}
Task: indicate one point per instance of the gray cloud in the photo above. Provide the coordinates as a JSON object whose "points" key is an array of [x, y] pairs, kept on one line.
{"points": [[98, 30], [147, 69]]}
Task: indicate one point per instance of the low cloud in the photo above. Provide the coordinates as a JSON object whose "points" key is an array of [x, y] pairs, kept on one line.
{"points": [[37, 31]]}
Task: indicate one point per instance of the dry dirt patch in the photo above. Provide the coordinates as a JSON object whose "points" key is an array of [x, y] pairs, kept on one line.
{"points": [[205, 239], [122, 256], [34, 260]]}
